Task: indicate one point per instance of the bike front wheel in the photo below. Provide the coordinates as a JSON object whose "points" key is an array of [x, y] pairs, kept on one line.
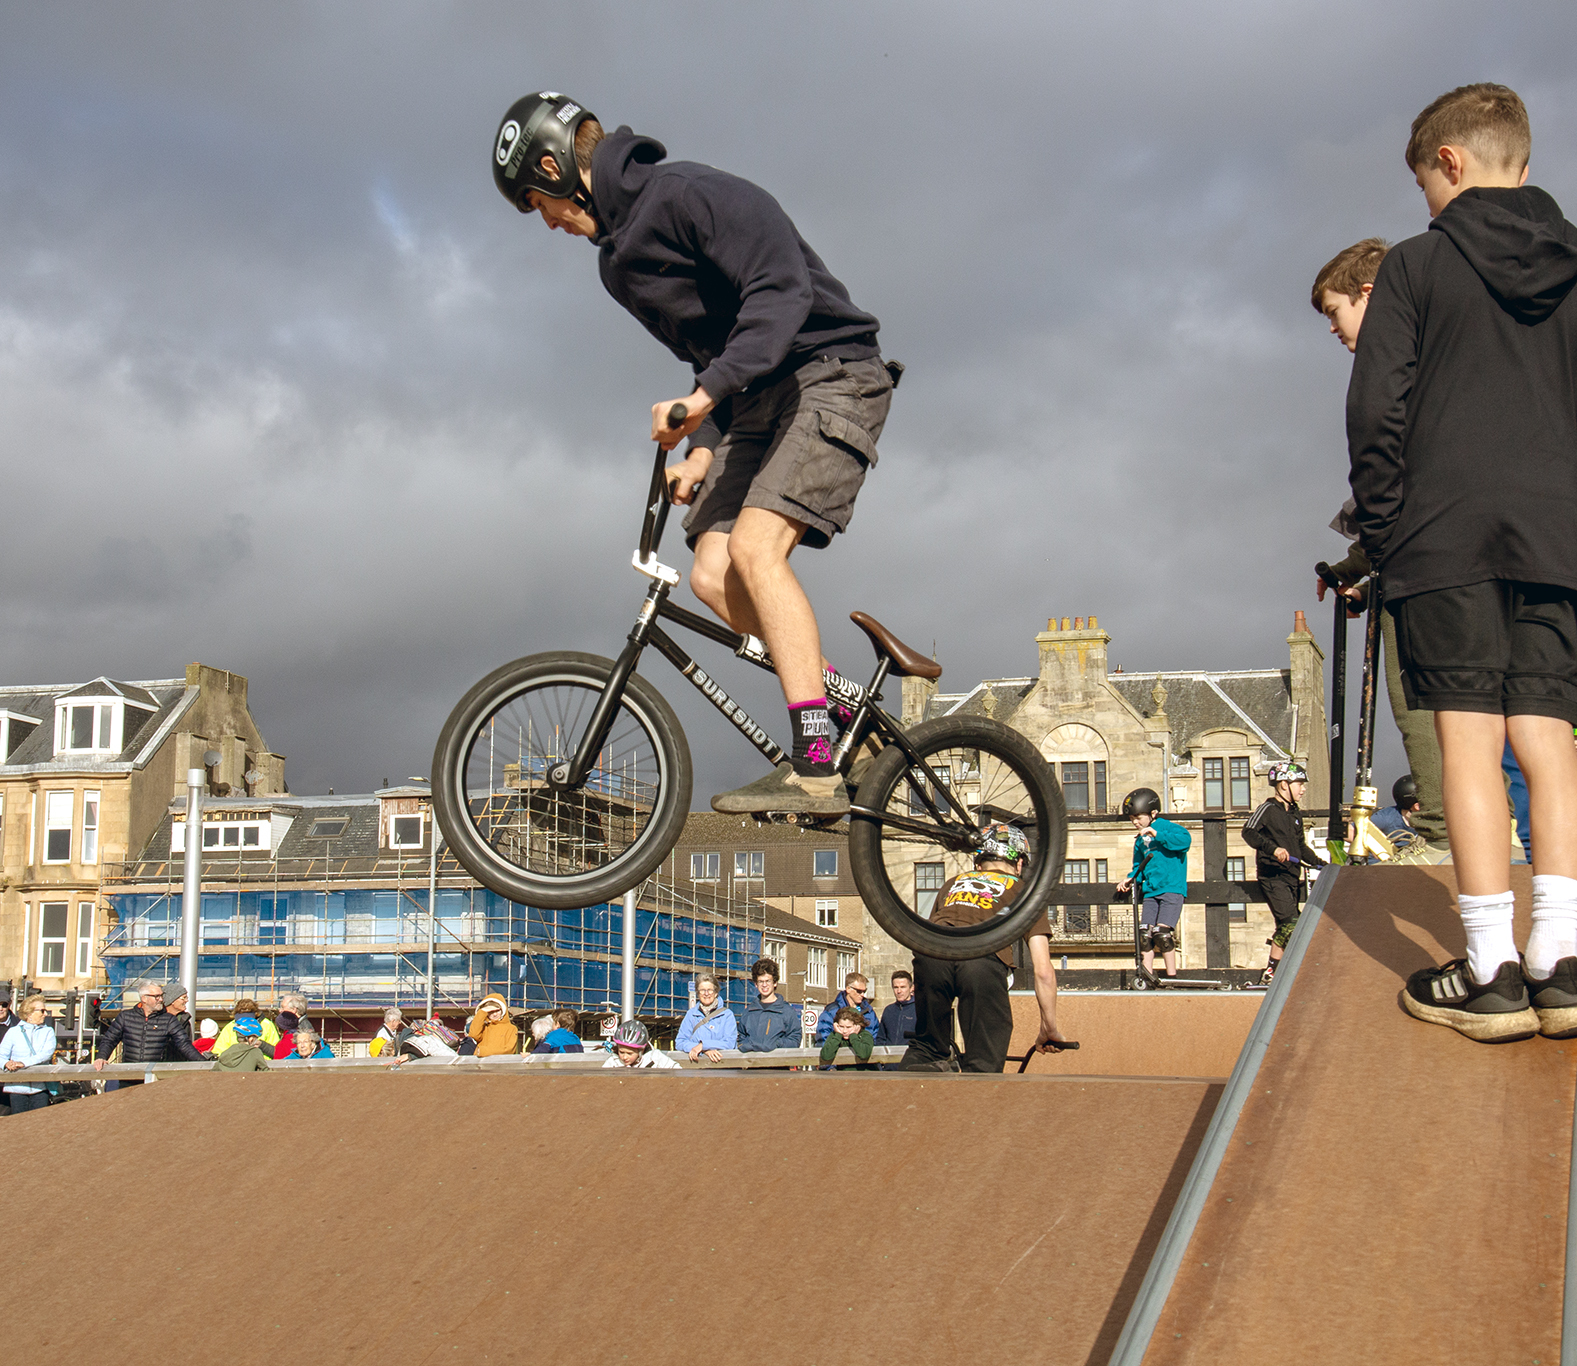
{"points": [[913, 841], [523, 837]]}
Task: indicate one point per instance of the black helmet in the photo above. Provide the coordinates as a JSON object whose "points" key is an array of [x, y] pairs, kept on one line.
{"points": [[1142, 801], [538, 126], [1404, 791]]}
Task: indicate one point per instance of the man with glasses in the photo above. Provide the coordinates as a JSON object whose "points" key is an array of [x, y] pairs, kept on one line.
{"points": [[146, 1033], [856, 988]]}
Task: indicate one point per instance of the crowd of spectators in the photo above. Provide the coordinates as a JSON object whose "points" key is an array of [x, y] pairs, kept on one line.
{"points": [[159, 1028]]}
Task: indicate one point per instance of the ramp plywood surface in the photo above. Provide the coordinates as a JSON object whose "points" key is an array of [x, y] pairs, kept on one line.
{"points": [[1140, 1033], [1393, 1192], [571, 1219]]}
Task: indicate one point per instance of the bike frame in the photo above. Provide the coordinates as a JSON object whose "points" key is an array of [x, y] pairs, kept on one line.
{"points": [[868, 717]]}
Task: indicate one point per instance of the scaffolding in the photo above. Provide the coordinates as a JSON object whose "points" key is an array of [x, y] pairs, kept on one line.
{"points": [[350, 933]]}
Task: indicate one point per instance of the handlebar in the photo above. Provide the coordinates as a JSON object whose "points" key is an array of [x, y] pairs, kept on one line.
{"points": [[657, 498]]}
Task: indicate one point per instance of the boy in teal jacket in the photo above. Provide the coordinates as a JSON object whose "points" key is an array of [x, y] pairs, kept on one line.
{"points": [[1160, 866]]}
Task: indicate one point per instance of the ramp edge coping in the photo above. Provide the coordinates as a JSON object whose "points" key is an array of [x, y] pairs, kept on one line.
{"points": [[1134, 1341], [1569, 1294]]}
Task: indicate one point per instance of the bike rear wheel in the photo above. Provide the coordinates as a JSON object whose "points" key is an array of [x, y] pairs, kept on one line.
{"points": [[522, 837], [1000, 777]]}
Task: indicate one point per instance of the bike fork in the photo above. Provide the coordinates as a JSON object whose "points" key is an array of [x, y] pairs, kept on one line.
{"points": [[572, 772]]}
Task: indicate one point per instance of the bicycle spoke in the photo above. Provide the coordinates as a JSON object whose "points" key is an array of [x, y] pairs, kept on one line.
{"points": [[549, 831]]}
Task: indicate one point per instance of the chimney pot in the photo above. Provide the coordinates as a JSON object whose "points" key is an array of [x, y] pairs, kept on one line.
{"points": [[1051, 624], [1066, 625], [1078, 623], [1299, 622], [1094, 625]]}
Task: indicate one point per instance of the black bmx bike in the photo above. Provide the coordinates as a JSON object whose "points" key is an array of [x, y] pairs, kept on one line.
{"points": [[563, 779]]}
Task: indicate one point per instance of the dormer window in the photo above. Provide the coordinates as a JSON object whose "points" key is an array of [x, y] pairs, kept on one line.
{"points": [[405, 832], [84, 726], [14, 728]]}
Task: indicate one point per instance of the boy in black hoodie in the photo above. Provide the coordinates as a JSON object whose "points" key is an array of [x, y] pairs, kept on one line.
{"points": [[790, 392], [1464, 380]]}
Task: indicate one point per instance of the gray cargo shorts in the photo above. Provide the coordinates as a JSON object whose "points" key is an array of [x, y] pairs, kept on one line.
{"points": [[800, 448]]}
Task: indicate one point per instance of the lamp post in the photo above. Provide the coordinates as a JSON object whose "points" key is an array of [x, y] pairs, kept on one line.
{"points": [[192, 884], [627, 976], [432, 889]]}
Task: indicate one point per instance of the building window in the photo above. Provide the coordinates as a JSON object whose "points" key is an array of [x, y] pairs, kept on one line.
{"points": [[405, 832], [1100, 784], [271, 914], [1239, 772], [824, 863], [1076, 870], [816, 967], [751, 863], [84, 727], [329, 828], [1236, 910], [52, 938], [1215, 788], [1076, 787], [704, 867], [1077, 919], [57, 833], [224, 835], [84, 938], [918, 786], [1101, 875], [90, 827], [928, 880], [827, 912], [845, 965], [777, 951]]}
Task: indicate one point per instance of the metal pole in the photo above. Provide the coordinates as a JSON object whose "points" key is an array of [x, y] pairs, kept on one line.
{"points": [[192, 887], [627, 978], [1337, 826], [432, 909]]}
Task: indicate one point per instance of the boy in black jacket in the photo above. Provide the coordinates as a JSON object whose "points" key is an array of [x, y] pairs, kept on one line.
{"points": [[790, 394], [1464, 379], [1275, 831]]}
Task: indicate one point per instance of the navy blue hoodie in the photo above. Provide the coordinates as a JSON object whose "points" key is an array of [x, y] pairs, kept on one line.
{"points": [[715, 270], [1462, 411]]}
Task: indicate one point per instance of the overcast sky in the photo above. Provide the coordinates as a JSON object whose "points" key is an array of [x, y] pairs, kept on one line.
{"points": [[286, 387]]}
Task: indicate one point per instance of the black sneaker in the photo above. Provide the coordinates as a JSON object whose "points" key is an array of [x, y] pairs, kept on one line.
{"points": [[786, 789], [1497, 1012], [1555, 999]]}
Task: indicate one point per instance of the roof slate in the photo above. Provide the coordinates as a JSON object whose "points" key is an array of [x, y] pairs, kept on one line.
{"points": [[39, 747]]}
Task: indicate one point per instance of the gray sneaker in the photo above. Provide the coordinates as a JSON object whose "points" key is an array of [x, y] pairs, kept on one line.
{"points": [[788, 791], [1555, 999]]}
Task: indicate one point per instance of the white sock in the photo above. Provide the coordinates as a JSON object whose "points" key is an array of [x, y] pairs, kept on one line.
{"points": [[1554, 934], [1487, 920]]}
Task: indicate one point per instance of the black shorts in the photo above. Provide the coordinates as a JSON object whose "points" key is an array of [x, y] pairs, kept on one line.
{"points": [[800, 448], [1281, 895], [1499, 646]]}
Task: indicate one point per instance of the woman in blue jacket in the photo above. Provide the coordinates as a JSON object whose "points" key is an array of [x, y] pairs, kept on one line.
{"points": [[709, 1025], [1160, 867], [28, 1044]]}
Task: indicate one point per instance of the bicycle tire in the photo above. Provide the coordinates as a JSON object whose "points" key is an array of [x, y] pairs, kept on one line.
{"points": [[521, 838], [887, 861]]}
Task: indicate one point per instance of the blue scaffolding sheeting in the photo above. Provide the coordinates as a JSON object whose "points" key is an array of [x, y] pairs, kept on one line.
{"points": [[367, 948]]}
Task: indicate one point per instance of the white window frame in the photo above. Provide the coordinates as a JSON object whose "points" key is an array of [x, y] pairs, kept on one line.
{"points": [[749, 859], [90, 827], [711, 865], [827, 912], [816, 966], [420, 817], [55, 824], [818, 853], [51, 940], [86, 911], [777, 951], [925, 897], [105, 730], [214, 836], [845, 965]]}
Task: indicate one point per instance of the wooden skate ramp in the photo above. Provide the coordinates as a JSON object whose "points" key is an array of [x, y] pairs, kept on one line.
{"points": [[1392, 1192], [589, 1219]]}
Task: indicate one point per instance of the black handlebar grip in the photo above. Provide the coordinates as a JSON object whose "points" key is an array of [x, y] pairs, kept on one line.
{"points": [[677, 415], [1328, 575]]}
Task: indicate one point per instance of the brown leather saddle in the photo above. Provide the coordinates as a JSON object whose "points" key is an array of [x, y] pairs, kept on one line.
{"points": [[906, 662]]}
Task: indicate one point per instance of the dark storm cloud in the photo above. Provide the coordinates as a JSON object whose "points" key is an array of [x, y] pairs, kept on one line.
{"points": [[286, 387]]}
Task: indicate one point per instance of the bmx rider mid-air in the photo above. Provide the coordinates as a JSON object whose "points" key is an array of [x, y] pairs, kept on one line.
{"points": [[790, 391]]}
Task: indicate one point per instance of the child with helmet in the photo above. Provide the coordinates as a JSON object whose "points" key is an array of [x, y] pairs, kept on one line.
{"points": [[632, 1048], [1160, 867], [980, 985], [1276, 832]]}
